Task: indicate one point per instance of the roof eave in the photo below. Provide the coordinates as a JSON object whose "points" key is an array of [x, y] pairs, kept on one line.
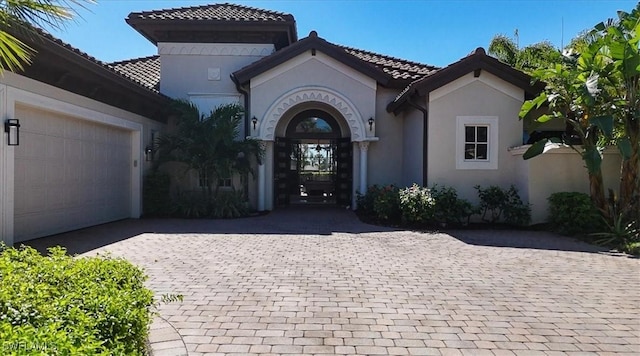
{"points": [[107, 76], [145, 26]]}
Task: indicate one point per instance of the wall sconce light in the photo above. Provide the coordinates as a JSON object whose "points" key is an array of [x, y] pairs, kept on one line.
{"points": [[148, 153], [371, 121], [12, 128], [254, 121]]}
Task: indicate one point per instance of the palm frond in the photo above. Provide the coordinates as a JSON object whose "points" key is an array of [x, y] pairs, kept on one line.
{"points": [[13, 53], [43, 13], [504, 49]]}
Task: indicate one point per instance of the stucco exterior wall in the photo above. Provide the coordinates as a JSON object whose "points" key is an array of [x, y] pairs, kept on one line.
{"points": [[21, 96], [412, 147], [200, 72], [204, 68], [560, 170], [485, 95], [386, 155]]}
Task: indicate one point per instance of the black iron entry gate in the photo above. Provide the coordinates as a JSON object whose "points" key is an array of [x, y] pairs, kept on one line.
{"points": [[290, 184]]}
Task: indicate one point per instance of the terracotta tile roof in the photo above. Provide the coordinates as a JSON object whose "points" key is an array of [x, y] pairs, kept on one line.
{"points": [[219, 12], [104, 65], [145, 71], [397, 68], [476, 61], [388, 71]]}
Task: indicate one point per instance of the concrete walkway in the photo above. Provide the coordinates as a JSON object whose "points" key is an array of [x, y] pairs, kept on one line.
{"points": [[317, 281]]}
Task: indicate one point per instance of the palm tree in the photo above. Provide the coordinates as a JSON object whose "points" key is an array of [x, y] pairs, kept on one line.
{"points": [[527, 59], [209, 144], [20, 17]]}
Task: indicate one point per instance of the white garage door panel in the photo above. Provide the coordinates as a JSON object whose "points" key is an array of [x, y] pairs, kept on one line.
{"points": [[69, 174]]}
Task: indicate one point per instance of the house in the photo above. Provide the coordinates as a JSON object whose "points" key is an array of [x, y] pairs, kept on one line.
{"points": [[332, 119]]}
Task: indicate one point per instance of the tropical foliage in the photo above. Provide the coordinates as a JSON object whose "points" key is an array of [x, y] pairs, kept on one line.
{"points": [[209, 145], [20, 17], [595, 91], [528, 58]]}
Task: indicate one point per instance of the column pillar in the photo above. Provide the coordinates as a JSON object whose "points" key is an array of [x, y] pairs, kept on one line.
{"points": [[364, 148], [262, 180]]}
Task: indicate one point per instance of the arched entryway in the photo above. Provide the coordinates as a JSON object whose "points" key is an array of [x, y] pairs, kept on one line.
{"points": [[271, 125], [313, 161]]}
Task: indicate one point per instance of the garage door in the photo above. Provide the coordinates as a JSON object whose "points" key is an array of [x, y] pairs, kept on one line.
{"points": [[69, 174]]}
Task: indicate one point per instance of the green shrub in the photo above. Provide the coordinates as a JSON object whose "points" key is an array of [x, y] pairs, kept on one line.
{"points": [[156, 195], [498, 204], [492, 200], [450, 209], [573, 213], [380, 203], [229, 204], [621, 230], [633, 248], [386, 204], [365, 201], [191, 204], [620, 233], [416, 205], [223, 205], [60, 305], [515, 211]]}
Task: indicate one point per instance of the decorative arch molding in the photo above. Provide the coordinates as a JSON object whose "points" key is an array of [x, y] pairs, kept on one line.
{"points": [[312, 94]]}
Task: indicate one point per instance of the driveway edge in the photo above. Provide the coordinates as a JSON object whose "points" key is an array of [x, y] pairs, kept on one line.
{"points": [[164, 339]]}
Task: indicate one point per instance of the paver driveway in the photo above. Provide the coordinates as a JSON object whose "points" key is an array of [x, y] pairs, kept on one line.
{"points": [[317, 281]]}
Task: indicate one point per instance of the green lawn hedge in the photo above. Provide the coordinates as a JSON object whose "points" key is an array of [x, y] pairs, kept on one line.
{"points": [[61, 305]]}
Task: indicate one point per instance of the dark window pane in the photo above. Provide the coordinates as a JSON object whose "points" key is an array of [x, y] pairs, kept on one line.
{"points": [[469, 134], [313, 124], [481, 151], [469, 151], [482, 133]]}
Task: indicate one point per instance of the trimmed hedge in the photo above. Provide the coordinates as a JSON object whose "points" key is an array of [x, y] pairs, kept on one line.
{"points": [[573, 213], [57, 304]]}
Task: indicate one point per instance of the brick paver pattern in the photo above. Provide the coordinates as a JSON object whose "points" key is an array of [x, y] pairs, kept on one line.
{"points": [[324, 283]]}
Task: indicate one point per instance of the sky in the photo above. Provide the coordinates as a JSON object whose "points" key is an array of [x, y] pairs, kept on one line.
{"points": [[432, 32]]}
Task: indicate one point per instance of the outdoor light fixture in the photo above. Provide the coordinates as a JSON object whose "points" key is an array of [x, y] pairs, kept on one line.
{"points": [[254, 121], [12, 128], [371, 121], [148, 153]]}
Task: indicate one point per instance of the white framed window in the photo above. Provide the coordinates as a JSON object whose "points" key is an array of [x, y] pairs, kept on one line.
{"points": [[224, 182], [203, 179], [477, 142]]}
